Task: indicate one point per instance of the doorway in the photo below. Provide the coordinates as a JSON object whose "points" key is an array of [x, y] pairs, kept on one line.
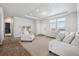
{"points": [[7, 29], [8, 26]]}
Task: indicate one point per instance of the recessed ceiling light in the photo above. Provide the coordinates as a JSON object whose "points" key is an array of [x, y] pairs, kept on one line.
{"points": [[8, 20], [30, 13], [37, 10], [43, 13]]}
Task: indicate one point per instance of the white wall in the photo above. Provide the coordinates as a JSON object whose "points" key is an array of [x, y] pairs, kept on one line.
{"points": [[1, 25], [19, 22], [38, 27], [45, 26], [41, 27], [71, 22], [78, 16]]}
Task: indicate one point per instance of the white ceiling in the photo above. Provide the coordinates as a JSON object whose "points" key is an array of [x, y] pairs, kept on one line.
{"points": [[36, 10]]}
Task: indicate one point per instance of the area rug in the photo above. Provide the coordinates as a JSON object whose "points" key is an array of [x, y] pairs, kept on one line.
{"points": [[39, 46], [12, 47]]}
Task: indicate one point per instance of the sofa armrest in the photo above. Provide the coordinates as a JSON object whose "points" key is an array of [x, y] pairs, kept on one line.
{"points": [[61, 48]]}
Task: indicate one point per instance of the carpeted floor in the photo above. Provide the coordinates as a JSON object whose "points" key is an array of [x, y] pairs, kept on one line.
{"points": [[12, 47], [39, 46]]}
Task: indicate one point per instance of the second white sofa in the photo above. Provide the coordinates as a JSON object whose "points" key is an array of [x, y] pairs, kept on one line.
{"points": [[69, 46]]}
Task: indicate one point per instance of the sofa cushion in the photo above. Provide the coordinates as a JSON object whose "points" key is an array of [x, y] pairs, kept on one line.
{"points": [[61, 35], [69, 37], [76, 40]]}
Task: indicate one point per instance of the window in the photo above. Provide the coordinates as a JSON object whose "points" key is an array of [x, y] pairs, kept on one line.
{"points": [[58, 23], [53, 23], [61, 23]]}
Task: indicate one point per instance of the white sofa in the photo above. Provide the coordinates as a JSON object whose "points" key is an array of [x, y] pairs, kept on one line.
{"points": [[64, 47], [26, 36]]}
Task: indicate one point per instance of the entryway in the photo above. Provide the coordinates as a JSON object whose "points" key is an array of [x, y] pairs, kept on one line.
{"points": [[8, 26]]}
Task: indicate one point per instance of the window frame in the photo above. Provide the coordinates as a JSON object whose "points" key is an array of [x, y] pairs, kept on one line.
{"points": [[57, 23]]}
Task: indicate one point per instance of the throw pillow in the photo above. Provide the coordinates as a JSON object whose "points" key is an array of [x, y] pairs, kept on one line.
{"points": [[76, 40], [69, 37], [61, 35]]}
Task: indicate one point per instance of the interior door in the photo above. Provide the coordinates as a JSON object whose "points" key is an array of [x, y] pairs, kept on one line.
{"points": [[7, 28]]}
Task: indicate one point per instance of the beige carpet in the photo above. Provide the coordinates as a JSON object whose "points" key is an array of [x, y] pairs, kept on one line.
{"points": [[39, 46], [12, 47]]}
